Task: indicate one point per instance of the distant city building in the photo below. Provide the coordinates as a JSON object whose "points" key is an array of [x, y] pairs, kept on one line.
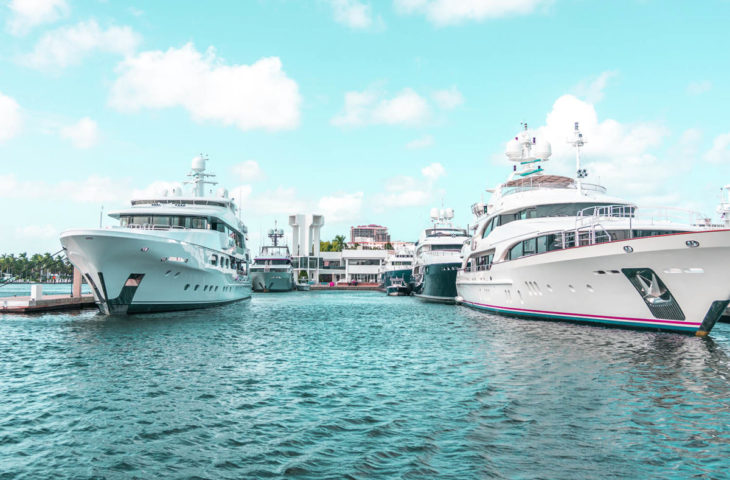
{"points": [[372, 235]]}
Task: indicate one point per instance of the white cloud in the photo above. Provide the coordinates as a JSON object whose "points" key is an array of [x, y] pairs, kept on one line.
{"points": [[699, 87], [421, 142], [83, 134], [248, 171], [156, 189], [341, 207], [433, 172], [449, 12], [352, 13], [10, 118], [247, 96], [592, 91], [406, 191], [448, 99], [26, 14], [68, 46], [94, 189], [620, 155], [36, 231], [720, 151], [407, 108], [280, 201]]}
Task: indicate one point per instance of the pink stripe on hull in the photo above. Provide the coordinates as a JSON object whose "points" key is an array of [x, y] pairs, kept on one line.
{"points": [[628, 319]]}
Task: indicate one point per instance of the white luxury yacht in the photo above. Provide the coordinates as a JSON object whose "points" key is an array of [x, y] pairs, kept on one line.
{"points": [[438, 258], [272, 270], [395, 275], [554, 247], [172, 252]]}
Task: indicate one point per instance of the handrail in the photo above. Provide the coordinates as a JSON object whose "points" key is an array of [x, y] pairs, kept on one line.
{"points": [[524, 188]]}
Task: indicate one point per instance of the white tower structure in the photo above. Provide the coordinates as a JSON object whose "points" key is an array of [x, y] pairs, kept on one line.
{"points": [[306, 234]]}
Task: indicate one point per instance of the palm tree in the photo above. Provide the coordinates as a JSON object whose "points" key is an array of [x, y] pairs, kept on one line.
{"points": [[338, 243]]}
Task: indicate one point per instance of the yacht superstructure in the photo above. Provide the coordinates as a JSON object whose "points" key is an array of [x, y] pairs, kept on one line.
{"points": [[554, 247], [272, 269], [395, 274], [438, 258], [169, 252]]}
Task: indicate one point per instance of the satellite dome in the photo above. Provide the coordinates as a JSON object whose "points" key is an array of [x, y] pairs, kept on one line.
{"points": [[175, 191], [222, 192], [199, 163], [514, 150], [434, 213], [543, 149], [449, 213]]}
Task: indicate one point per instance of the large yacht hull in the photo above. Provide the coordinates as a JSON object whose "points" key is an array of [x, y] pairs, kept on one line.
{"points": [[438, 283], [140, 272], [684, 284], [272, 281]]}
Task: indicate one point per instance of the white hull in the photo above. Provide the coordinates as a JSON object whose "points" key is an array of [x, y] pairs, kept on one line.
{"points": [[593, 283], [144, 271]]}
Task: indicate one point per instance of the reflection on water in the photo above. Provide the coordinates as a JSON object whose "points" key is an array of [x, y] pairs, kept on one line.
{"points": [[357, 385]]}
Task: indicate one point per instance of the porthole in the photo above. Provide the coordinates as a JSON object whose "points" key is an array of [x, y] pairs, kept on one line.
{"points": [[692, 243], [187, 286], [167, 273], [571, 288], [628, 249], [196, 287], [589, 288], [216, 288], [177, 274], [205, 288]]}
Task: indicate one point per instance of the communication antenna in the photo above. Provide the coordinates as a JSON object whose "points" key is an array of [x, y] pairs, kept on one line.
{"points": [[578, 142], [101, 214]]}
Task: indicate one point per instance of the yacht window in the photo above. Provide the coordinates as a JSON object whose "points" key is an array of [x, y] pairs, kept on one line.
{"points": [[160, 220], [214, 259], [489, 228], [445, 247], [528, 247], [516, 251], [140, 220], [198, 223]]}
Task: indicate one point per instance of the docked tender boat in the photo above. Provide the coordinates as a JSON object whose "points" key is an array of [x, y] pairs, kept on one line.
{"points": [[438, 258], [169, 252], [395, 275], [272, 269], [553, 247]]}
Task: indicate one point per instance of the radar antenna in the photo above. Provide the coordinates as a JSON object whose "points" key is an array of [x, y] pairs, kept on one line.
{"points": [[275, 234], [199, 177]]}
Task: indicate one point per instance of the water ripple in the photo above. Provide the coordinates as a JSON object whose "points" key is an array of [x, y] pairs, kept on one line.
{"points": [[358, 386]]}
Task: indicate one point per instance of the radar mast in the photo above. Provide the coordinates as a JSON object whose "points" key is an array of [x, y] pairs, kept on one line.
{"points": [[198, 176]]}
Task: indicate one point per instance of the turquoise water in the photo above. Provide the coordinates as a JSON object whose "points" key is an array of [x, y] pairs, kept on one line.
{"points": [[356, 385]]}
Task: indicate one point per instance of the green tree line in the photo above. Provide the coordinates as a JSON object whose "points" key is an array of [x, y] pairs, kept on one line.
{"points": [[36, 268], [337, 244]]}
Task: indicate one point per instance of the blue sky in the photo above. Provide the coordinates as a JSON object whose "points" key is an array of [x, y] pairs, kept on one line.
{"points": [[365, 111]]}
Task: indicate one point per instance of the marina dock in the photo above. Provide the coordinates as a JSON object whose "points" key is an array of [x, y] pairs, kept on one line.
{"points": [[45, 303], [36, 302]]}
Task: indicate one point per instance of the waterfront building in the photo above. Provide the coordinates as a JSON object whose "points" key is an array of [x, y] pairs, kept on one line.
{"points": [[370, 235]]}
